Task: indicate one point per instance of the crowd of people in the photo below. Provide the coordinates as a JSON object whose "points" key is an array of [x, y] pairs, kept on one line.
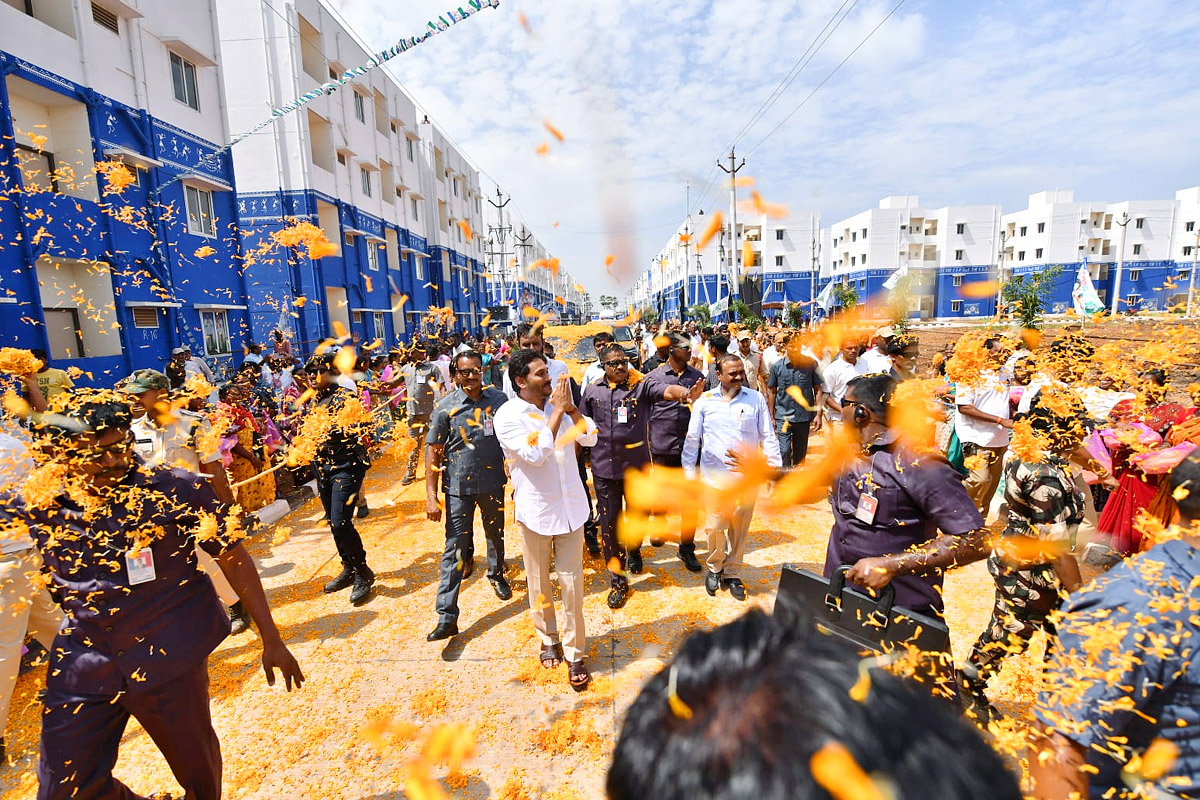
{"points": [[126, 498]]}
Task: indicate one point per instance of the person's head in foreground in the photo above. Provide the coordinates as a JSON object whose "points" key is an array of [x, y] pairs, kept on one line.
{"points": [[89, 432], [761, 709]]}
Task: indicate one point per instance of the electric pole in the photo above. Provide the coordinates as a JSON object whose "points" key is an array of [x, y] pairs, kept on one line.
{"points": [[687, 250], [1192, 276], [816, 265], [524, 246], [1116, 298], [500, 231], [732, 171]]}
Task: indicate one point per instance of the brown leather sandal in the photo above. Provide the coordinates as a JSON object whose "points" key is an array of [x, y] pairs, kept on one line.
{"points": [[551, 655], [578, 674]]}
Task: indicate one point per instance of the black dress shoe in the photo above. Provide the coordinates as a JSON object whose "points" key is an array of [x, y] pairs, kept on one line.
{"points": [[736, 588], [688, 557], [712, 582], [363, 511], [656, 542], [593, 544], [444, 630], [634, 560], [468, 567], [500, 587], [617, 596], [364, 579], [344, 579]]}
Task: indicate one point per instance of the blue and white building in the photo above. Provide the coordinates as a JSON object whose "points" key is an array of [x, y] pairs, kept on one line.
{"points": [[520, 272], [105, 276], [399, 201]]}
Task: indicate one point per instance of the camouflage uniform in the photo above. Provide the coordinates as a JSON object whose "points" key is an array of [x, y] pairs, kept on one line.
{"points": [[1043, 504]]}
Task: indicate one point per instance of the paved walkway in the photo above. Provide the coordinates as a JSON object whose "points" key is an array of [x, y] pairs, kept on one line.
{"points": [[534, 736]]}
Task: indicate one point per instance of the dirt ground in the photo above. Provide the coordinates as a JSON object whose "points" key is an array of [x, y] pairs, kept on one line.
{"points": [[535, 737]]}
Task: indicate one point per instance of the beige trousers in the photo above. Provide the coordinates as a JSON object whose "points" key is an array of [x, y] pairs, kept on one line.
{"points": [[566, 551], [727, 539], [981, 482], [213, 570], [24, 607]]}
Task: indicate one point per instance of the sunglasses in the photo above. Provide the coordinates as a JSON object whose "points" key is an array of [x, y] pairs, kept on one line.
{"points": [[617, 362], [118, 448], [469, 372]]}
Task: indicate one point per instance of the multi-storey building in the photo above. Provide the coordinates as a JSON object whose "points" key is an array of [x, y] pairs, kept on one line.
{"points": [[117, 224], [1186, 249], [400, 203], [1057, 231], [939, 250]]}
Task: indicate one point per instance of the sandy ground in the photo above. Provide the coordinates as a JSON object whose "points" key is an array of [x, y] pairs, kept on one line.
{"points": [[535, 736]]}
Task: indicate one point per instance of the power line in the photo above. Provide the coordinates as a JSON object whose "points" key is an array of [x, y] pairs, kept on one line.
{"points": [[832, 72]]}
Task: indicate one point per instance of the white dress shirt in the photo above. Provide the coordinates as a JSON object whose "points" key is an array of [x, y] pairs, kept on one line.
{"points": [[557, 368], [836, 376], [991, 397], [548, 494], [593, 373], [719, 425], [874, 361]]}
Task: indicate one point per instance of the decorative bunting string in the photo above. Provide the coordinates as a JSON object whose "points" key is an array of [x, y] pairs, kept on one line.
{"points": [[434, 27]]}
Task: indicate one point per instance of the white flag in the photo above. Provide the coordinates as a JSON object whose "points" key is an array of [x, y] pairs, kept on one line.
{"points": [[891, 282], [1083, 296], [825, 298]]}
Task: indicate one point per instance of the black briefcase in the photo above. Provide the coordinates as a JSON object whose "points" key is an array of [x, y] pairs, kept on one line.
{"points": [[875, 624]]}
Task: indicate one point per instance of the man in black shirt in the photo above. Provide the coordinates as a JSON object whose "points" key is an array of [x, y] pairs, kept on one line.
{"points": [[341, 464]]}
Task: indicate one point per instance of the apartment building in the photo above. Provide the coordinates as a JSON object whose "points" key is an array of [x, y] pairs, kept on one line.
{"points": [[398, 199], [1186, 249], [940, 250], [1055, 230], [117, 222]]}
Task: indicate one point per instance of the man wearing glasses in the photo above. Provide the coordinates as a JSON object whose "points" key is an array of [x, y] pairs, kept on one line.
{"points": [[463, 448], [620, 406], [668, 428]]}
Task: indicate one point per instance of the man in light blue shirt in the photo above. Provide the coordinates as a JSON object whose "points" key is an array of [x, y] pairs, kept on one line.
{"points": [[727, 420]]}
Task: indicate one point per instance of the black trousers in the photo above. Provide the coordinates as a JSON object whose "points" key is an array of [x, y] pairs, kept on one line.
{"points": [[81, 734], [338, 488], [460, 544], [793, 441], [688, 521], [610, 502]]}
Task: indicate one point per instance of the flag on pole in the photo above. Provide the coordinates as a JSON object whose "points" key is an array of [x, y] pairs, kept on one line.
{"points": [[825, 298], [891, 282], [1083, 296]]}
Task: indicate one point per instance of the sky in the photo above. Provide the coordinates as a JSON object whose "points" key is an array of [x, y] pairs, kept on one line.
{"points": [[957, 102]]}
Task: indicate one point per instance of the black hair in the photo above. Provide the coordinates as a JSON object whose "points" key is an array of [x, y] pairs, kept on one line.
{"points": [[224, 390], [991, 342], [1157, 376], [319, 363], [707, 331], [874, 391], [519, 364], [762, 695], [726, 357], [86, 411], [39, 354], [1186, 475], [602, 337], [719, 343], [462, 355], [527, 329], [678, 339], [612, 348], [1059, 417], [898, 344]]}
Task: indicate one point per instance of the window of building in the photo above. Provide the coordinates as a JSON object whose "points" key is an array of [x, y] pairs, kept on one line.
{"points": [[864, 233], [956, 306], [1041, 227], [454, 183], [333, 74], [1021, 254], [1135, 274], [1133, 300], [864, 259], [380, 328], [779, 261], [215, 327], [360, 111], [144, 317], [357, 317], [38, 169], [960, 228], [183, 81], [416, 213], [372, 257], [854, 236], [1137, 249], [312, 59], [395, 128], [1024, 229], [1185, 275], [1139, 222], [957, 280], [320, 142], [364, 175], [1189, 227], [779, 234], [199, 211], [106, 19], [958, 255], [1037, 253], [1187, 251], [409, 145], [852, 260], [777, 286]]}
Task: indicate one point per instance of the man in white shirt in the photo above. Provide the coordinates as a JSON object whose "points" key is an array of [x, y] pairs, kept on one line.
{"points": [[775, 352], [550, 503], [25, 605], [838, 375], [530, 337], [983, 422], [876, 359], [595, 370], [728, 419], [755, 375]]}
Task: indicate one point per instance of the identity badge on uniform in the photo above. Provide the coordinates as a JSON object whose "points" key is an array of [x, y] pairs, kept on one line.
{"points": [[489, 427], [140, 566], [867, 503], [622, 415]]}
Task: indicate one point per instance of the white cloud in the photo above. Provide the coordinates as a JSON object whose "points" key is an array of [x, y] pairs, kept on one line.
{"points": [[945, 101]]}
